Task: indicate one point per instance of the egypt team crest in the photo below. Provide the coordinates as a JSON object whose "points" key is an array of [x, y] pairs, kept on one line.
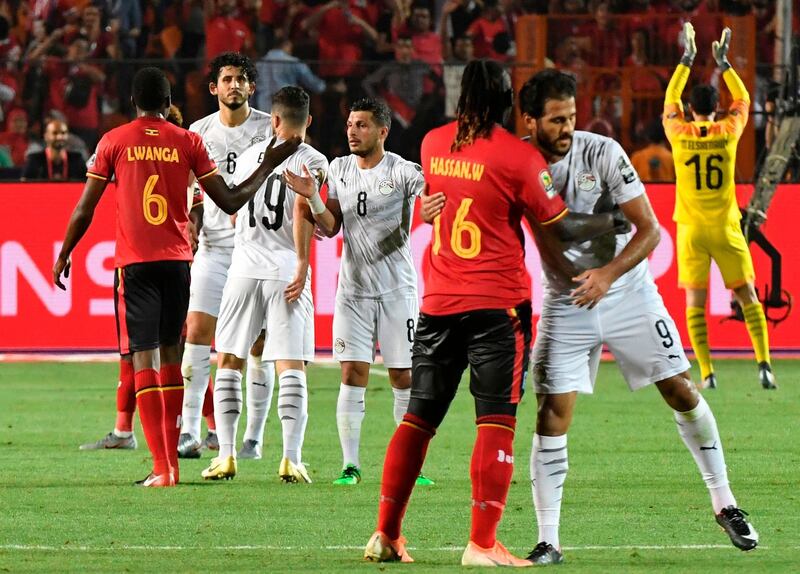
{"points": [[386, 187], [586, 181], [547, 183], [257, 139], [338, 346]]}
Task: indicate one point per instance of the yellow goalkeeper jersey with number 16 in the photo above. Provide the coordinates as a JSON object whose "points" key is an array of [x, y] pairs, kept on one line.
{"points": [[705, 154]]}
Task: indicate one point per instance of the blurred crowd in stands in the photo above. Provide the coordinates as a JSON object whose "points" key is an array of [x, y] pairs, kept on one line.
{"points": [[68, 64]]}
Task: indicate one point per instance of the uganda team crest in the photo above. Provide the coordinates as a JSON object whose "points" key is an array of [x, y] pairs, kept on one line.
{"points": [[586, 181], [386, 187], [547, 183]]}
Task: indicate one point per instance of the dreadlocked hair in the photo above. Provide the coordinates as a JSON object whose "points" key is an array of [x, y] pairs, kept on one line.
{"points": [[481, 103]]}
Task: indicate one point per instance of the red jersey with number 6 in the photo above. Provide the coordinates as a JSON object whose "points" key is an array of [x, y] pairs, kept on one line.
{"points": [[151, 160], [476, 259]]}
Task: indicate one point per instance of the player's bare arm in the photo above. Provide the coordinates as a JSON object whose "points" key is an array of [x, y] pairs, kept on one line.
{"points": [[78, 224], [231, 199], [581, 227], [302, 231], [195, 225], [594, 283], [327, 215]]}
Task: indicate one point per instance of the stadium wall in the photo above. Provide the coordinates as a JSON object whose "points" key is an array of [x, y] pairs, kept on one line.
{"points": [[37, 316]]}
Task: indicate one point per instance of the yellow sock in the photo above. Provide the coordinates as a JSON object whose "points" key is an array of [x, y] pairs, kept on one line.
{"points": [[698, 336], [757, 327]]}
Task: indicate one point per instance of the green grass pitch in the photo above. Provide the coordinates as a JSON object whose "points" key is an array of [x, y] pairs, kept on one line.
{"points": [[634, 501]]}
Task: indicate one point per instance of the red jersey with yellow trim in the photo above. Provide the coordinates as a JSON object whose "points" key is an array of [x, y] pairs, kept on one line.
{"points": [[151, 160], [476, 259]]}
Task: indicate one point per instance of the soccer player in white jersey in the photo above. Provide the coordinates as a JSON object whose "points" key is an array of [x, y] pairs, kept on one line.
{"points": [[371, 195], [269, 279], [227, 133], [613, 301]]}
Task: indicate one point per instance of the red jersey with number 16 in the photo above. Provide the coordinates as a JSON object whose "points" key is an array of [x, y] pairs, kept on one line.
{"points": [[476, 259], [151, 160]]}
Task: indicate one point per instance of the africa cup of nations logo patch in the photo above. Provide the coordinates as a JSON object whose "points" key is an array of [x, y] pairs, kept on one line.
{"points": [[386, 187], [338, 346], [547, 183]]}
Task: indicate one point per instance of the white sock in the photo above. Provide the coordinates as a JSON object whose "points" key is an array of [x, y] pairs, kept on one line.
{"points": [[698, 429], [349, 415], [227, 408], [195, 368], [122, 433], [401, 398], [260, 384], [549, 467], [293, 412]]}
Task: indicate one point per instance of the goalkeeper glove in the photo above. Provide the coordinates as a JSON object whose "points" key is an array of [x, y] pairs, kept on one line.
{"points": [[689, 47], [720, 50]]}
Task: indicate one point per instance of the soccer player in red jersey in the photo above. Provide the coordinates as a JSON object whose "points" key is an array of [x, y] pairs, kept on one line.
{"points": [[152, 160], [122, 437], [476, 308]]}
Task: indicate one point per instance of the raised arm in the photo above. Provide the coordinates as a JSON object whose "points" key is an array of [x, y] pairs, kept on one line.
{"points": [[231, 199], [673, 108], [328, 215]]}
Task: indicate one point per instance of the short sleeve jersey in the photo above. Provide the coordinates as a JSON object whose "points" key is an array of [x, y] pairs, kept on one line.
{"points": [[151, 160], [593, 177], [225, 145], [264, 242], [377, 208], [476, 256]]}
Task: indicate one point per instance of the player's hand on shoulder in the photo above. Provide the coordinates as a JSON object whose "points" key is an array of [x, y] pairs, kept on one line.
{"points": [[304, 185], [62, 265], [275, 155], [593, 286], [431, 206]]}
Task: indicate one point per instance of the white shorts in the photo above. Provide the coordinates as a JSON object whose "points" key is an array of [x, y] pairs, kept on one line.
{"points": [[360, 324], [249, 305], [209, 273], [636, 328]]}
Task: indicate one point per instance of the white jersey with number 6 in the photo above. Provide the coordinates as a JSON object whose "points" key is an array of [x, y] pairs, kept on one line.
{"points": [[225, 146], [264, 242], [377, 207]]}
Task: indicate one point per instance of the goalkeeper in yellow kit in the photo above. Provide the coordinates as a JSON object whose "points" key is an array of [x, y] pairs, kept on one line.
{"points": [[706, 211]]}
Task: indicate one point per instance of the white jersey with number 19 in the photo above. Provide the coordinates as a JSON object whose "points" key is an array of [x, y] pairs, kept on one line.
{"points": [[264, 242], [225, 145]]}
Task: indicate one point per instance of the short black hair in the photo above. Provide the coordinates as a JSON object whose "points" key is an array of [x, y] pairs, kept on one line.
{"points": [[236, 60], [549, 84], [151, 89], [378, 108], [292, 103], [704, 99]]}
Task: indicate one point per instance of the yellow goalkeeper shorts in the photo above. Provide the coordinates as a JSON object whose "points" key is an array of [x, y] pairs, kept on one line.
{"points": [[726, 245]]}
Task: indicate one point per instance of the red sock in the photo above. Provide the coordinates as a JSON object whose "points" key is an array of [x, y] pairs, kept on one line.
{"points": [[404, 458], [208, 405], [151, 413], [126, 397], [172, 390], [491, 469]]}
